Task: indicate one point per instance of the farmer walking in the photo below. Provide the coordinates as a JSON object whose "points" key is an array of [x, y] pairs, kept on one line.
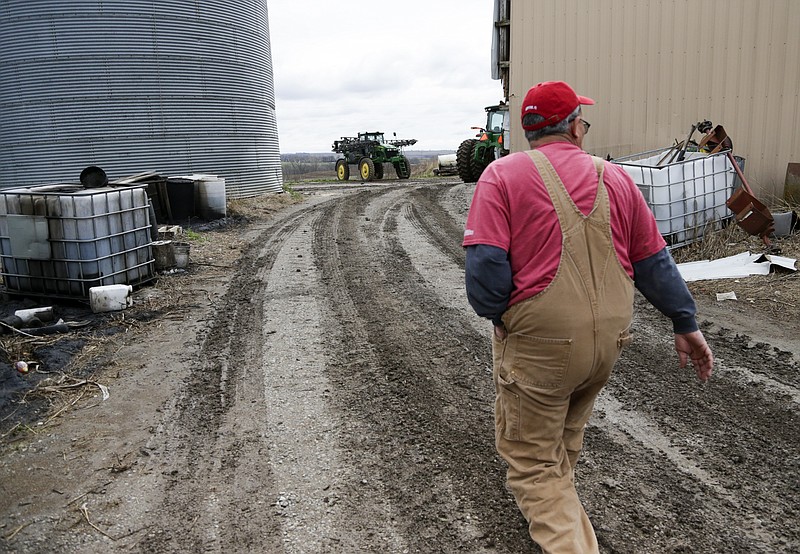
{"points": [[555, 242]]}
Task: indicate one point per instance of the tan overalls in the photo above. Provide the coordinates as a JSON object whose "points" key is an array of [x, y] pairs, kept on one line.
{"points": [[561, 347]]}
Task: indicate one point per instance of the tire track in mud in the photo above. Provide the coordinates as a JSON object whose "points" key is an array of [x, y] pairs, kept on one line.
{"points": [[305, 461], [440, 274], [389, 383], [414, 381], [425, 212], [216, 436], [726, 452]]}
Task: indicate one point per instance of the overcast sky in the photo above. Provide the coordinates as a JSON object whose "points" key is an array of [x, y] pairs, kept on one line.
{"points": [[418, 68]]}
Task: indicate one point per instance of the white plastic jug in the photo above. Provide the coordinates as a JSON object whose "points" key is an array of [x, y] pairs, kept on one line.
{"points": [[110, 298]]}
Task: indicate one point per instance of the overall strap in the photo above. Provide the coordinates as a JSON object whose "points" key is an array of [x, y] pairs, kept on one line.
{"points": [[568, 212]]}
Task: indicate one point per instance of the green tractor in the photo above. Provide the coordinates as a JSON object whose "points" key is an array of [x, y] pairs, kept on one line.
{"points": [[473, 155], [369, 151]]}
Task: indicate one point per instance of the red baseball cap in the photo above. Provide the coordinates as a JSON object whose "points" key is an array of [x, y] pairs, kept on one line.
{"points": [[553, 100]]}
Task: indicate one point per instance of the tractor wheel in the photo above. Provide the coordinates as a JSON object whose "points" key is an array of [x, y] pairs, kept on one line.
{"points": [[465, 161], [482, 156], [366, 167], [379, 171], [403, 168], [342, 170]]}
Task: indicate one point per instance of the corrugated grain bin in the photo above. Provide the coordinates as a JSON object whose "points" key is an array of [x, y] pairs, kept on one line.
{"points": [[173, 86], [61, 240]]}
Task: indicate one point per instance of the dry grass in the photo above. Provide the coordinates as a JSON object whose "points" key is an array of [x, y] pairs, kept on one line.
{"points": [[261, 206], [734, 240], [776, 295]]}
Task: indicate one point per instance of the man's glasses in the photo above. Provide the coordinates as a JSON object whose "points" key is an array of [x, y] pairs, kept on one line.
{"points": [[586, 125]]}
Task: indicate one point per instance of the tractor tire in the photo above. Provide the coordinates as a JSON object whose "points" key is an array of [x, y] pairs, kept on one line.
{"points": [[481, 158], [379, 171], [465, 161], [366, 168], [403, 168], [342, 170]]}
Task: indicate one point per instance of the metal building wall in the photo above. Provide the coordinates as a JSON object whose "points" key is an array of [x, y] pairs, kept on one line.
{"points": [[655, 68], [174, 86]]}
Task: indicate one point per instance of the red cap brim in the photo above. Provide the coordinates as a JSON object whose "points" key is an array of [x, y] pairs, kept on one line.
{"points": [[585, 100]]}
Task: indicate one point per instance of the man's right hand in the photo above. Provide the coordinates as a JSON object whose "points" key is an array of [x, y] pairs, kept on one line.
{"points": [[693, 346]]}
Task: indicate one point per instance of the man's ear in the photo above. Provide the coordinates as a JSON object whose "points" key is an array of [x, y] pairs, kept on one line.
{"points": [[573, 127]]}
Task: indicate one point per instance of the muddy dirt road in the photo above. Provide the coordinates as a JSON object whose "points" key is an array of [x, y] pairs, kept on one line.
{"points": [[330, 391]]}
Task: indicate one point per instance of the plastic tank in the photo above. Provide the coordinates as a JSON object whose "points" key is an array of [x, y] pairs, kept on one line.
{"points": [[61, 240]]}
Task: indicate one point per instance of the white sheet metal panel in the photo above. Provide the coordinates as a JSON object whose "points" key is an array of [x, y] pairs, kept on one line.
{"points": [[174, 86], [734, 267], [655, 68]]}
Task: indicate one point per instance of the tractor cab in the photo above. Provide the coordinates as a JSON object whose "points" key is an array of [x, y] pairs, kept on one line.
{"points": [[371, 136], [496, 118], [497, 126]]}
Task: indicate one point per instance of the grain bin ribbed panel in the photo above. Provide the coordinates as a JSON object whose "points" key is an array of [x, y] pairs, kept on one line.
{"points": [[172, 86]]}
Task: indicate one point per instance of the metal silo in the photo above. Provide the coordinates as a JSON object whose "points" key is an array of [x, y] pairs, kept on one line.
{"points": [[172, 86]]}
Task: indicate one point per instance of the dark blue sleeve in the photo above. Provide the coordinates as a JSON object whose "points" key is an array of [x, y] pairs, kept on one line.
{"points": [[488, 279], [659, 280]]}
